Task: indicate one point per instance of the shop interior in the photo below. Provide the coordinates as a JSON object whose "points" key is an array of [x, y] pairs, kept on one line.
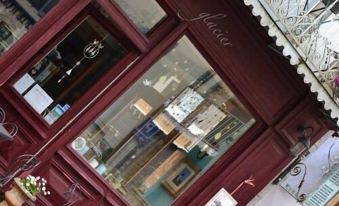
{"points": [[166, 129]]}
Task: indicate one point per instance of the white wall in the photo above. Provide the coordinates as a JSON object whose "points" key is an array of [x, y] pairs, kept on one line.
{"points": [[276, 195]]}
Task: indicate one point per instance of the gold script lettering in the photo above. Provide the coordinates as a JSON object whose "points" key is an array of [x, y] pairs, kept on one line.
{"points": [[209, 20]]}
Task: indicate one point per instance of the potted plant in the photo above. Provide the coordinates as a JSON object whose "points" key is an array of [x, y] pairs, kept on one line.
{"points": [[26, 189]]}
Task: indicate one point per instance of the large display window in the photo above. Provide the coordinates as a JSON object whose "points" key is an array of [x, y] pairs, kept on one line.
{"points": [[166, 130], [18, 16]]}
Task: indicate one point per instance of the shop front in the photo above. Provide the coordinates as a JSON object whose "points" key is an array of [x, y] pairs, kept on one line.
{"points": [[148, 102]]}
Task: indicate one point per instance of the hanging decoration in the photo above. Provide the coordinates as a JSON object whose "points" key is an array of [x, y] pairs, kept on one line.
{"points": [[90, 51]]}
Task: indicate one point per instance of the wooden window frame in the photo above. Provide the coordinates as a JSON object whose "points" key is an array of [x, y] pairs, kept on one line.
{"points": [[61, 27]]}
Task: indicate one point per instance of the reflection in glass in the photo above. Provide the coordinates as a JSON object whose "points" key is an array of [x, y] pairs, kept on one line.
{"points": [[57, 81], [17, 16], [166, 130], [145, 14]]}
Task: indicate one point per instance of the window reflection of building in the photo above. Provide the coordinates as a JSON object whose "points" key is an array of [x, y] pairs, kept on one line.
{"points": [[17, 16], [43, 6], [6, 36]]}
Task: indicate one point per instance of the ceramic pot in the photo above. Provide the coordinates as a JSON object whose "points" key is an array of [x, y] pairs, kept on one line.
{"points": [[18, 194]]}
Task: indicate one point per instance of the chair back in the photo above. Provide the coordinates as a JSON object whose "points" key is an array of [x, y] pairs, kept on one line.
{"points": [[7, 129]]}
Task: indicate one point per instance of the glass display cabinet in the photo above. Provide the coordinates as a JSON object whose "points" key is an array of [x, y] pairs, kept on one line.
{"points": [[67, 72], [166, 130]]}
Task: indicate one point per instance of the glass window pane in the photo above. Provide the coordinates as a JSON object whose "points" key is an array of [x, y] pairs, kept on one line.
{"points": [[166, 130], [17, 16], [57, 81], [145, 14]]}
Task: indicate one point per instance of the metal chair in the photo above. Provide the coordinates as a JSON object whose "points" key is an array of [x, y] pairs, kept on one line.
{"points": [[2, 115], [7, 129]]}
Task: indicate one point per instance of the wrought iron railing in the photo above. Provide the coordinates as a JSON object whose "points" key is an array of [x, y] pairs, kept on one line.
{"points": [[312, 28]]}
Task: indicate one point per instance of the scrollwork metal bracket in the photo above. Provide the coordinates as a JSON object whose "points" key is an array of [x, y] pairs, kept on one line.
{"points": [[25, 162], [70, 194], [296, 171]]}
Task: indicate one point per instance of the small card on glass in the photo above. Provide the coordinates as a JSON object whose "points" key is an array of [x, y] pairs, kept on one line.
{"points": [[222, 198]]}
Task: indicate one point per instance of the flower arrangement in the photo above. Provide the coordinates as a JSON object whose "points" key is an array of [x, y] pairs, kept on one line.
{"points": [[35, 185]]}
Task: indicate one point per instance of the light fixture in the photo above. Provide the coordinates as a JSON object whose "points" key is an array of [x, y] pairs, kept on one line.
{"points": [[304, 142], [306, 134]]}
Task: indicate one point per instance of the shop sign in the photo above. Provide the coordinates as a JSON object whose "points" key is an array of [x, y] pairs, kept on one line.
{"points": [[210, 21]]}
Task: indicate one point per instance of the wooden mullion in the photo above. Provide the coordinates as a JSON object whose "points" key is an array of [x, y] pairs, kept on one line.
{"points": [[124, 25]]}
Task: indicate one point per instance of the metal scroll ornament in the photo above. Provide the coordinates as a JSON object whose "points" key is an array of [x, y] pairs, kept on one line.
{"points": [[331, 165], [298, 169], [20, 164], [90, 51]]}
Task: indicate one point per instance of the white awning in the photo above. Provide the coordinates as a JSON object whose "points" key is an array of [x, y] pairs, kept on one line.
{"points": [[282, 25]]}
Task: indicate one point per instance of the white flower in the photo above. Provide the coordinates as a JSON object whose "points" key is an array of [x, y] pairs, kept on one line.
{"points": [[36, 182], [43, 181]]}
